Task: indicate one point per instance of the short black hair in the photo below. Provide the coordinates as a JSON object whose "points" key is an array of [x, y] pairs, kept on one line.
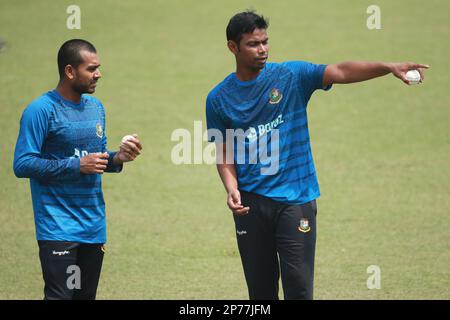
{"points": [[245, 22], [69, 53]]}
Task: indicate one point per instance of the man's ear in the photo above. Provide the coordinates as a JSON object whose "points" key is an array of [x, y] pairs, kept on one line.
{"points": [[233, 46], [70, 72]]}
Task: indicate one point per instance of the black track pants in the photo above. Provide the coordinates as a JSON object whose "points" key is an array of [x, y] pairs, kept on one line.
{"points": [[71, 270], [274, 236]]}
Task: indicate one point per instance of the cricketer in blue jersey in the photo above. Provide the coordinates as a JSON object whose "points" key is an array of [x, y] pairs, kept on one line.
{"points": [[62, 149], [264, 105]]}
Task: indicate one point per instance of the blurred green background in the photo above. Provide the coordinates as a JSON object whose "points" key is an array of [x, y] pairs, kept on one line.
{"points": [[382, 149]]}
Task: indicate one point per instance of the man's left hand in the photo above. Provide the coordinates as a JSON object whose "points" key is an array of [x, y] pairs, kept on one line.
{"points": [[129, 150], [400, 69]]}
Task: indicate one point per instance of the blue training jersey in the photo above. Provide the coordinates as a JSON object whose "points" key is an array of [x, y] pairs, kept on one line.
{"points": [[276, 99], [54, 134]]}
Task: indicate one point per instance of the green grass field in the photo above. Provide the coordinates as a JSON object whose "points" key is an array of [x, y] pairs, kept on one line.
{"points": [[382, 149]]}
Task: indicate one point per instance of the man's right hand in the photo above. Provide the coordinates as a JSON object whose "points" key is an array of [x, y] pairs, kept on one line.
{"points": [[94, 163], [234, 203]]}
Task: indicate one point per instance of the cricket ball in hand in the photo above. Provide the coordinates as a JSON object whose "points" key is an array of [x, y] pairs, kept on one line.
{"points": [[127, 137], [413, 76]]}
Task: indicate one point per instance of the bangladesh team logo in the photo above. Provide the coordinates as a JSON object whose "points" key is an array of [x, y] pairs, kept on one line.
{"points": [[304, 225], [99, 130], [275, 96]]}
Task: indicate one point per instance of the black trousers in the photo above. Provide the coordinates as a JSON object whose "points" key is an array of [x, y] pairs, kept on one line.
{"points": [[274, 236], [71, 270]]}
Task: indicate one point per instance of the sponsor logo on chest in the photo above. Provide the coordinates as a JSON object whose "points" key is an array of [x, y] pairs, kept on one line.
{"points": [[264, 128]]}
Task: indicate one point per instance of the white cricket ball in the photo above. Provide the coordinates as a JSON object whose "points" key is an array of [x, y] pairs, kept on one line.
{"points": [[127, 137], [413, 76]]}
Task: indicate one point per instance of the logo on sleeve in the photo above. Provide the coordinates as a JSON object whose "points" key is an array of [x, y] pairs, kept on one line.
{"points": [[99, 130], [275, 96]]}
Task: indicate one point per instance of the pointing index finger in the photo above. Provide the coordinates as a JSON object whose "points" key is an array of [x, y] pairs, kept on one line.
{"points": [[418, 65]]}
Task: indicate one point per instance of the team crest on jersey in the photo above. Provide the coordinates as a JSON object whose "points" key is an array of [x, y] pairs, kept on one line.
{"points": [[304, 225], [99, 130], [275, 96]]}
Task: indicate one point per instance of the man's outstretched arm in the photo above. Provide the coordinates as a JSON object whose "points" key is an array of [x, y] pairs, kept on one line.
{"points": [[356, 71]]}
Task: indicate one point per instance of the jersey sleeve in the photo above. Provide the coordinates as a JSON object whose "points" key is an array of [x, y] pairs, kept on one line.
{"points": [[310, 76], [214, 122], [28, 161]]}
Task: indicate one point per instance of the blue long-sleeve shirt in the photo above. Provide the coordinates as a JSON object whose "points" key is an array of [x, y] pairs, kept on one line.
{"points": [[54, 134]]}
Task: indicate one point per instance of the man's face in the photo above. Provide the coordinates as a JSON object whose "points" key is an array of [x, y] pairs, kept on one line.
{"points": [[87, 73], [253, 50]]}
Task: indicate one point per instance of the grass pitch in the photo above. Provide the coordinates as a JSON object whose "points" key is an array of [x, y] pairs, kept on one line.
{"points": [[382, 149]]}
